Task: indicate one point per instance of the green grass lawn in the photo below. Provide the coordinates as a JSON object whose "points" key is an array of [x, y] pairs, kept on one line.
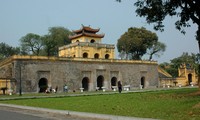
{"points": [[179, 104]]}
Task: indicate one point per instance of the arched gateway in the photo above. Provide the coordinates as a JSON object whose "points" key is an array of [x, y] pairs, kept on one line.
{"points": [[43, 85], [143, 82], [190, 79], [85, 83], [100, 80], [114, 81]]}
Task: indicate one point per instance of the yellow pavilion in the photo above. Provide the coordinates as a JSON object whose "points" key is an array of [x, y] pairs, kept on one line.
{"points": [[86, 43]]}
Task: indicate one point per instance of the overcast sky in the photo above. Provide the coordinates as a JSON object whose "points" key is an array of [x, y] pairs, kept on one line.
{"points": [[19, 17]]}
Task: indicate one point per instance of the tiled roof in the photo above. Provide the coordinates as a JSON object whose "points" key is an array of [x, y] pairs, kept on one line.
{"points": [[87, 34], [163, 73], [87, 29]]}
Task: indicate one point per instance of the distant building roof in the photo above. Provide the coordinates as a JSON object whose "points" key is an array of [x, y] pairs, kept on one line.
{"points": [[163, 74]]}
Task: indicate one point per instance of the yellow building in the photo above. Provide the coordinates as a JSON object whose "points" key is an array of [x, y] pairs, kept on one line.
{"points": [[86, 43], [165, 78], [5, 85], [186, 77]]}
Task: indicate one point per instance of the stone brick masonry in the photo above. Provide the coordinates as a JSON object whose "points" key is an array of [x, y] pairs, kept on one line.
{"points": [[76, 73]]}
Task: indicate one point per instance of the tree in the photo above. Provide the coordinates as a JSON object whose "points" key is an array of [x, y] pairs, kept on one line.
{"points": [[57, 36], [135, 42], [156, 11], [169, 68], [157, 49], [6, 50], [50, 45], [31, 44], [186, 58]]}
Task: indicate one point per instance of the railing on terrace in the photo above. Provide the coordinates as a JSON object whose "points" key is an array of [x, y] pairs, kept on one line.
{"points": [[18, 57], [98, 45]]}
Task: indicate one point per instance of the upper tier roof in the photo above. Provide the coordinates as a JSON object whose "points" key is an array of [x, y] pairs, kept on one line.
{"points": [[86, 31], [86, 34]]}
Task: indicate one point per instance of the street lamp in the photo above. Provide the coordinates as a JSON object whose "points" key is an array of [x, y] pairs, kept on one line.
{"points": [[20, 81]]}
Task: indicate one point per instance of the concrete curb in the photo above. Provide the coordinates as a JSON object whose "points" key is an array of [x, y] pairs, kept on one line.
{"points": [[73, 113]]}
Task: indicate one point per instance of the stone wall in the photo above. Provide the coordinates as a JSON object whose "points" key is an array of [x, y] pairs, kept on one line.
{"points": [[59, 72]]}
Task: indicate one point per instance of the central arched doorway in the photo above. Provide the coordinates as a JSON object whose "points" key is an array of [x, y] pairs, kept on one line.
{"points": [[190, 79], [143, 82], [107, 56], [85, 55], [92, 41], [85, 83], [100, 80], [43, 85], [96, 56], [113, 82]]}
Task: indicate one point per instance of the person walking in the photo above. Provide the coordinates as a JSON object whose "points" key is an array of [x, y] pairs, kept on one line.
{"points": [[119, 86], [65, 88]]}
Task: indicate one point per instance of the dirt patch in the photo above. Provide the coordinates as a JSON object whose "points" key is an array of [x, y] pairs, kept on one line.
{"points": [[197, 93], [191, 94], [197, 106]]}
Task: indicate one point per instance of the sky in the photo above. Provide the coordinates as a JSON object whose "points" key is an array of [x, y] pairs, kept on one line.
{"points": [[20, 17]]}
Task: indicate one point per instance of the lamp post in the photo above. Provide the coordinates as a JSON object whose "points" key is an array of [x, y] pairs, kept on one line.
{"points": [[20, 81]]}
